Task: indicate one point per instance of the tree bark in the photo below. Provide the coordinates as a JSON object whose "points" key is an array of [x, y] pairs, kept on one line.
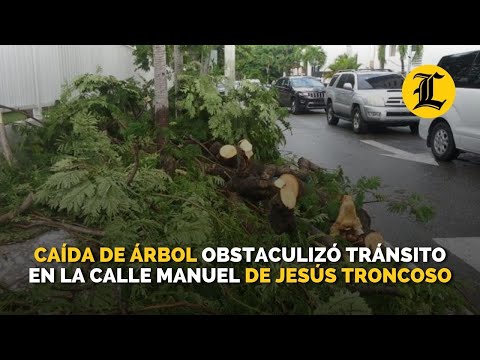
{"points": [[177, 63], [161, 92], [253, 188], [7, 151], [307, 165]]}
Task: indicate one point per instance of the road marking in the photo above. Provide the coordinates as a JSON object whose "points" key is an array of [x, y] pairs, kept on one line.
{"points": [[425, 158], [466, 248]]}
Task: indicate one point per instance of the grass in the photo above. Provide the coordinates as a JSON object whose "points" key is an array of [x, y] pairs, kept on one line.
{"points": [[11, 117]]}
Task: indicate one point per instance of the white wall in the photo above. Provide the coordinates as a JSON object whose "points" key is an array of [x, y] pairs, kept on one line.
{"points": [[32, 75]]}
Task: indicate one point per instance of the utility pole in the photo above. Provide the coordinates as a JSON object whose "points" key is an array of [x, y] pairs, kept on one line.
{"points": [[230, 62]]}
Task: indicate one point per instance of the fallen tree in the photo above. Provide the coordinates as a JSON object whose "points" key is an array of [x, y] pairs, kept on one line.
{"points": [[94, 170]]}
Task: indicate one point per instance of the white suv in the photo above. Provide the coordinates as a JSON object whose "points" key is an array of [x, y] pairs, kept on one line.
{"points": [[458, 130], [368, 98]]}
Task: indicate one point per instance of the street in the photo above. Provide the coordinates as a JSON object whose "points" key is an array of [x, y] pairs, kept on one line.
{"points": [[403, 162]]}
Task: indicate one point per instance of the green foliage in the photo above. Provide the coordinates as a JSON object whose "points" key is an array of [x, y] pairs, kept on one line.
{"points": [[143, 57], [249, 112], [381, 55], [344, 303], [122, 109], [80, 172], [344, 62], [268, 62]]}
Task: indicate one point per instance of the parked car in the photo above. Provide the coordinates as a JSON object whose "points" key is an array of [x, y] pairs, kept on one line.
{"points": [[300, 93], [368, 98], [458, 130]]}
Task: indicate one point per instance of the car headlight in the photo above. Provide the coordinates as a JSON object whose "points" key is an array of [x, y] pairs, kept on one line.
{"points": [[375, 101], [303, 93]]}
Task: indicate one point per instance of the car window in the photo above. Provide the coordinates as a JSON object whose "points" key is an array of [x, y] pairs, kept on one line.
{"points": [[379, 81], [279, 82], [286, 82], [350, 79], [459, 66], [332, 81], [306, 82], [341, 81], [475, 73]]}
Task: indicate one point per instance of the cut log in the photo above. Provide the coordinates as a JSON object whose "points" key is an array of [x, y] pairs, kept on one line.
{"points": [[373, 239], [269, 171], [219, 170], [291, 191], [228, 152], [307, 165], [365, 219], [234, 157], [249, 154], [215, 148], [245, 145], [253, 188], [347, 218], [279, 183], [282, 219]]}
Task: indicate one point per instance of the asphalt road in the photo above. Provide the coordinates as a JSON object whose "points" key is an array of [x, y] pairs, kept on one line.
{"points": [[453, 189]]}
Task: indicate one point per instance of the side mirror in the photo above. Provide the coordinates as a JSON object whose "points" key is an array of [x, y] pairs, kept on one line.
{"points": [[348, 86]]}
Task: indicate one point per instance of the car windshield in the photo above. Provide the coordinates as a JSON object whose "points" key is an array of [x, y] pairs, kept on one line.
{"points": [[305, 82], [379, 81]]}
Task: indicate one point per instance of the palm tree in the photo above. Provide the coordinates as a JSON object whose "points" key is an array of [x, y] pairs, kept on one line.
{"points": [[161, 93], [381, 55], [315, 55], [403, 50]]}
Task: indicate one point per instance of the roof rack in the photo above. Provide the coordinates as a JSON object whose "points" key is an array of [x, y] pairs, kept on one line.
{"points": [[384, 70]]}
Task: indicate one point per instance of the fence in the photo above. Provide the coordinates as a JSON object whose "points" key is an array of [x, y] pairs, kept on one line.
{"points": [[31, 76]]}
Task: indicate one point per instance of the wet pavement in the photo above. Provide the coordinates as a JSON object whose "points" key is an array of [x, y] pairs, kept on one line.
{"points": [[17, 258], [453, 189]]}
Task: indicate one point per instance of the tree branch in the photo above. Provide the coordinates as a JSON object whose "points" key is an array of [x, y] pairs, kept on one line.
{"points": [[22, 112], [43, 221], [27, 202], [202, 146], [136, 162]]}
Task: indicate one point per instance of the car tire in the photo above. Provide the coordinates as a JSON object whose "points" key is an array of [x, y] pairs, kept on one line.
{"points": [[294, 106], [359, 125], [331, 118], [414, 129], [443, 144]]}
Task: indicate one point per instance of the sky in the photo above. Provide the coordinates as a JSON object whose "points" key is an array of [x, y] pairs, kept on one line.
{"points": [[431, 54]]}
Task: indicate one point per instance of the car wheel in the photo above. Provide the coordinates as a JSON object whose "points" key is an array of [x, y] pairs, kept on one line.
{"points": [[294, 107], [331, 118], [359, 125], [443, 144], [414, 129]]}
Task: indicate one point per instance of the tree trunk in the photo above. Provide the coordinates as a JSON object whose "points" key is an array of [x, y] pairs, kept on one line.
{"points": [[7, 152], [161, 92], [205, 61], [402, 61], [178, 68], [177, 63]]}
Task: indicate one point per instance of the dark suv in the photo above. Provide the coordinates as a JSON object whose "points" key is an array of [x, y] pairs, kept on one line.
{"points": [[300, 93]]}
